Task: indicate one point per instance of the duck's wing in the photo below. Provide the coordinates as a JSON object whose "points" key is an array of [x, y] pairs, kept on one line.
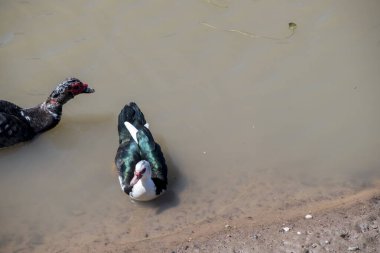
{"points": [[9, 108], [130, 113], [127, 156], [151, 151], [14, 127]]}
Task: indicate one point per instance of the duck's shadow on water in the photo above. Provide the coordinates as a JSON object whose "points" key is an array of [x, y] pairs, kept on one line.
{"points": [[177, 183]]}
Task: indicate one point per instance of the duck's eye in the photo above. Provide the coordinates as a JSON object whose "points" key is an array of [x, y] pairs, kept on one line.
{"points": [[143, 171]]}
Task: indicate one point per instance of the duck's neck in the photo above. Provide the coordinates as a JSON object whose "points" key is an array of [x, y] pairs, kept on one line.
{"points": [[44, 116], [146, 181], [53, 107]]}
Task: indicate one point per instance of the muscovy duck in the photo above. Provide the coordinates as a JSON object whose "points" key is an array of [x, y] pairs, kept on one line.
{"points": [[139, 160], [19, 125]]}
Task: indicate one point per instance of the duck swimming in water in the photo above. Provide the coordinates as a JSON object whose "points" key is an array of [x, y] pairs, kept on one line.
{"points": [[139, 160], [18, 124]]}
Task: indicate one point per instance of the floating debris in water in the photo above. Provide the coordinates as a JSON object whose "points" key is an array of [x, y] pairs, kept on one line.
{"points": [[207, 24], [216, 3], [292, 27]]}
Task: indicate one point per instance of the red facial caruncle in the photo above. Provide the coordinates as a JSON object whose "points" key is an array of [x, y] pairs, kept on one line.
{"points": [[78, 88], [140, 173]]}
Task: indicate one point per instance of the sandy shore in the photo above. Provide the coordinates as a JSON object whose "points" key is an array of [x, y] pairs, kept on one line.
{"points": [[348, 224]]}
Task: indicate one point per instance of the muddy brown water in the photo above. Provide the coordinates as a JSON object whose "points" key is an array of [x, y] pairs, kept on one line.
{"points": [[248, 124]]}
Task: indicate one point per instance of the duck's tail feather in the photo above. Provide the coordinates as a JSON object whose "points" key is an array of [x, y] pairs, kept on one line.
{"points": [[130, 113]]}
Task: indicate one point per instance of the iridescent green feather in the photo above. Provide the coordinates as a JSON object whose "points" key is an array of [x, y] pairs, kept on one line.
{"points": [[126, 158], [151, 152]]}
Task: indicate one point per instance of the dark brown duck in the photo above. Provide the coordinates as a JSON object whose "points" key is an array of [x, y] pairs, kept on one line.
{"points": [[18, 124]]}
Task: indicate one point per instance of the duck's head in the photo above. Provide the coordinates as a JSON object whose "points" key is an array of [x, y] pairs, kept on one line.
{"points": [[68, 89], [142, 171]]}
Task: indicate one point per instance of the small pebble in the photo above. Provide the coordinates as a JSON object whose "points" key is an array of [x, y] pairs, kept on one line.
{"points": [[285, 229], [227, 226], [362, 227], [327, 242], [308, 216], [344, 235], [354, 248], [314, 245], [298, 233], [255, 237]]}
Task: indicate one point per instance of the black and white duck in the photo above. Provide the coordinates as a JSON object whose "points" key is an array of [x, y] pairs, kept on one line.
{"points": [[139, 160], [18, 124]]}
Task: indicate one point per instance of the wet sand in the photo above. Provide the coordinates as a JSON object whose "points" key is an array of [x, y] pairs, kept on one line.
{"points": [[254, 119], [347, 224]]}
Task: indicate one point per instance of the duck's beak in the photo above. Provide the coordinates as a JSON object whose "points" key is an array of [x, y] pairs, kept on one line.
{"points": [[136, 178], [88, 89]]}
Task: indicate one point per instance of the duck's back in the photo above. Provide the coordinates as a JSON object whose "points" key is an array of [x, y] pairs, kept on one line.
{"points": [[128, 153], [14, 127], [130, 113]]}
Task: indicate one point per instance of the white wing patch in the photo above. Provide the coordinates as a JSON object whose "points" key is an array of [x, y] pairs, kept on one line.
{"points": [[132, 130], [26, 117], [121, 183], [146, 125]]}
